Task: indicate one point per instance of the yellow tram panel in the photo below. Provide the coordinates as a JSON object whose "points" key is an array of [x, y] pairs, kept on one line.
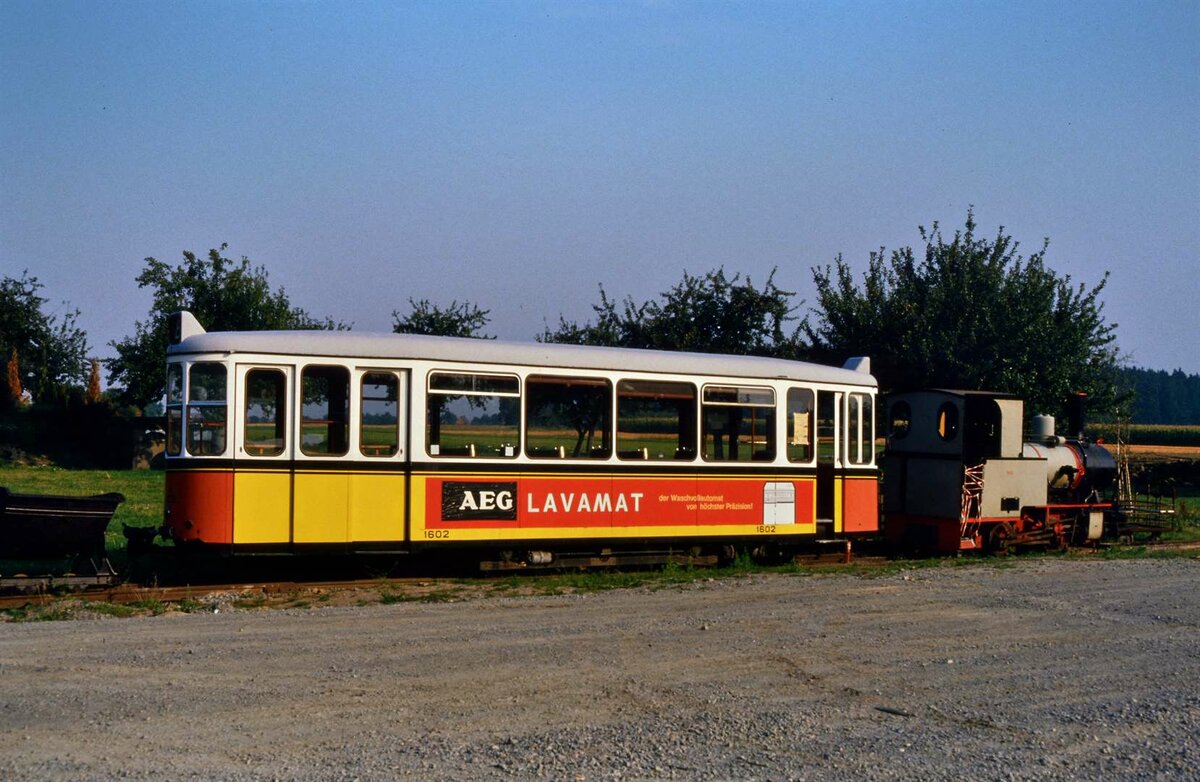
{"points": [[377, 507], [262, 506], [322, 504]]}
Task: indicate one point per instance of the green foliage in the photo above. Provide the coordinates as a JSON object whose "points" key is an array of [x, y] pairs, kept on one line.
{"points": [[51, 349], [433, 596], [190, 605], [972, 313], [32, 613], [223, 294], [456, 320], [116, 610], [152, 606], [713, 313]]}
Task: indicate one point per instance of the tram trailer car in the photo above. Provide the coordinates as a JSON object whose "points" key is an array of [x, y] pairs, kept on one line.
{"points": [[318, 441], [957, 476]]}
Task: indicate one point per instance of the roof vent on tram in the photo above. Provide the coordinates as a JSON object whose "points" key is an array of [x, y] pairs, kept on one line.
{"points": [[858, 364], [182, 325]]}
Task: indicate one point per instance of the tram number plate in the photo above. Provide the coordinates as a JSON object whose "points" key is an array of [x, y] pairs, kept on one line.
{"points": [[437, 534], [766, 529]]}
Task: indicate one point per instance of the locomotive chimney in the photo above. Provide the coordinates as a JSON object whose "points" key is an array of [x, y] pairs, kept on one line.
{"points": [[1076, 414]]}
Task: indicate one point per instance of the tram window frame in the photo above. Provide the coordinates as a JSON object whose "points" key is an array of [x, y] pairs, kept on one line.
{"points": [[539, 392], [207, 418], [391, 398], [668, 397], [498, 439], [724, 399], [275, 445], [335, 439], [801, 452], [860, 429], [174, 410]]}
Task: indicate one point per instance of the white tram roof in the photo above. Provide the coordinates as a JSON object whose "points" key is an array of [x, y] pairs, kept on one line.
{"points": [[366, 345]]}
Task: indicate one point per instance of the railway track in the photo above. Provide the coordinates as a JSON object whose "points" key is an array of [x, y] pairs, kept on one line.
{"points": [[131, 594], [410, 587]]}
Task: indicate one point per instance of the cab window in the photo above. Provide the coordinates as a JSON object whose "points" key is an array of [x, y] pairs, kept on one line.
{"points": [[947, 421], [174, 409], [206, 409]]}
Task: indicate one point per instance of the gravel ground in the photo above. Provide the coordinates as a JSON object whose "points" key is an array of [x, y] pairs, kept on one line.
{"points": [[1042, 669]]}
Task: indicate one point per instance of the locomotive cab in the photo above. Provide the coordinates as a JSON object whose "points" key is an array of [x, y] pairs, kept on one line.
{"points": [[950, 455]]}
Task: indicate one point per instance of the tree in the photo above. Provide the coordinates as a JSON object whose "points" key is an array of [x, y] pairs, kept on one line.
{"points": [[456, 320], [52, 351], [11, 398], [713, 313], [223, 294], [1163, 397], [972, 314], [92, 396]]}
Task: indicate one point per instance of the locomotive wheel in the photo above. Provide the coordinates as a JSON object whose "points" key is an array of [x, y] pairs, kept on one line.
{"points": [[998, 538]]}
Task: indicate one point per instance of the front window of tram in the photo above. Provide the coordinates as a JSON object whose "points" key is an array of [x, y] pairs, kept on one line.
{"points": [[174, 409], [206, 409]]}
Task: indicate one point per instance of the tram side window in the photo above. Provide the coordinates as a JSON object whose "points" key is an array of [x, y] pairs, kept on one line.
{"points": [[860, 437], [206, 411], [325, 411], [380, 414], [656, 420], [738, 424], [266, 412], [472, 416], [800, 404], [174, 409], [567, 417]]}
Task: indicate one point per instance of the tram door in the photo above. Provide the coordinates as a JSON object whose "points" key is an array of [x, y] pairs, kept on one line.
{"points": [[828, 405], [262, 478], [378, 493]]}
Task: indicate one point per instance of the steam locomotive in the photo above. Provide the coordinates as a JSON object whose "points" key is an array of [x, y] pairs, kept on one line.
{"points": [[957, 475]]}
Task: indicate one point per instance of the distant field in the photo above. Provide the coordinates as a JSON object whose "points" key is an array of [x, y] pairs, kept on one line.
{"points": [[1163, 453], [1150, 434]]}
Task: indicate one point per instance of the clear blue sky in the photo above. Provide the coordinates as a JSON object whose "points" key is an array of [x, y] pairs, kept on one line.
{"points": [[518, 154]]}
